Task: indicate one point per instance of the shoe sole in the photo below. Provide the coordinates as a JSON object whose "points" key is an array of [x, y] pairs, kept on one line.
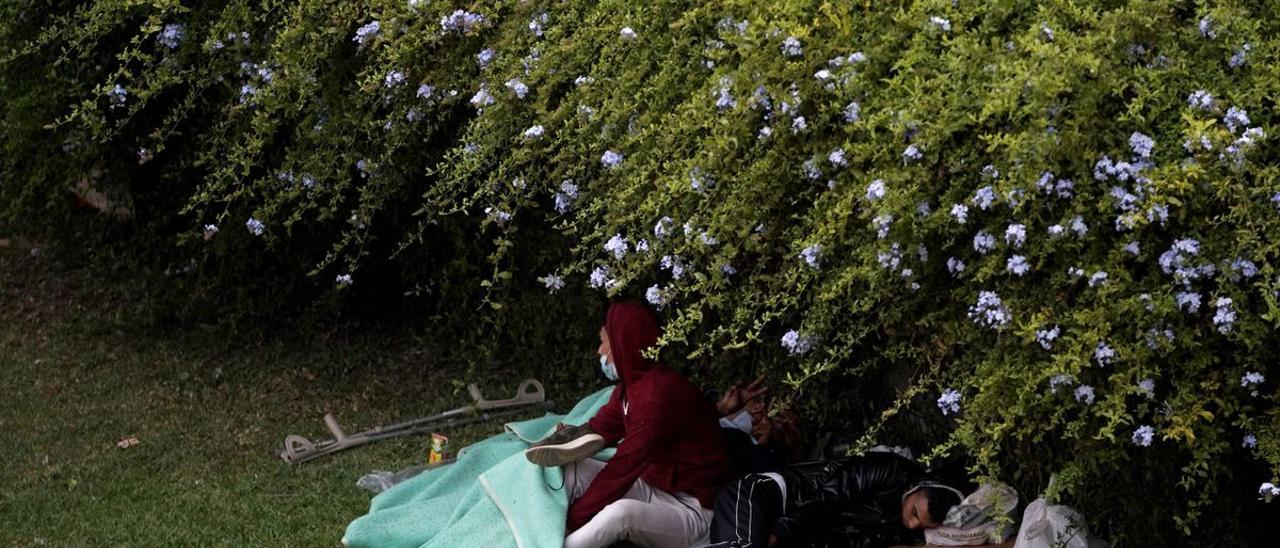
{"points": [[565, 453]]}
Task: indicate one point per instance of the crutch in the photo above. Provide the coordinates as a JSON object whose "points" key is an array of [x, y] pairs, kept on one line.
{"points": [[299, 449]]}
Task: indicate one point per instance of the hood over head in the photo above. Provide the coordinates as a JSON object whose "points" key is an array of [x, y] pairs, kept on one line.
{"points": [[632, 327]]}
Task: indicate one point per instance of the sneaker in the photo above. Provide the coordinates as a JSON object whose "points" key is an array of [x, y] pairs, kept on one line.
{"points": [[573, 450], [565, 435]]}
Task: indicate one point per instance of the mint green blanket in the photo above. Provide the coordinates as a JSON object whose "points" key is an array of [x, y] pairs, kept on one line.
{"points": [[491, 497]]}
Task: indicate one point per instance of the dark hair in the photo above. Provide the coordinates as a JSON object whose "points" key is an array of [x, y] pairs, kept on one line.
{"points": [[940, 501]]}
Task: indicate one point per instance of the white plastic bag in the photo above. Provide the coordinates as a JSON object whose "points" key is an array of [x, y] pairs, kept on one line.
{"points": [[972, 522], [1054, 526]]}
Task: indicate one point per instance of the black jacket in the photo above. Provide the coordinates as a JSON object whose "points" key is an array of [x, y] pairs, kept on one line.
{"points": [[848, 502]]}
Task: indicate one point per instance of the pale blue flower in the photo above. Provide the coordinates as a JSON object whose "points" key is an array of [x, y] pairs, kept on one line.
{"points": [[1015, 235], [852, 112], [1078, 226], [799, 124], [960, 213], [882, 223], [118, 96], [707, 239], [955, 266], [1250, 441], [674, 264], [485, 57], [1200, 99], [534, 132], [890, 258], [1241, 55], [498, 215], [1147, 387], [1206, 28], [1104, 354], [482, 98], [656, 296], [599, 277], [1017, 265], [611, 159], [642, 246], [1075, 272], [1084, 394], [517, 87], [875, 190], [172, 35], [617, 245], [552, 282], [1225, 316], [912, 154], [949, 402], [989, 311], [343, 280], [1046, 33], [1268, 490], [627, 33], [837, 158], [791, 47], [366, 33], [728, 269], [1046, 337], [1060, 379], [663, 227], [984, 242], [1189, 301], [1132, 249], [811, 170], [797, 344], [699, 181], [1252, 378], [461, 21], [812, 256], [1143, 435], [923, 209], [1236, 118], [393, 79], [1098, 278], [1243, 268], [941, 23], [255, 226], [1141, 144], [984, 198], [989, 172]]}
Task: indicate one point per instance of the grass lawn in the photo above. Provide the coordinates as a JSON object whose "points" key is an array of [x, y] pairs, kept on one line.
{"points": [[207, 411]]}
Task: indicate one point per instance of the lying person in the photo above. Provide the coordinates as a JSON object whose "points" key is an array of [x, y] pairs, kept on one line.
{"points": [[657, 490], [876, 500]]}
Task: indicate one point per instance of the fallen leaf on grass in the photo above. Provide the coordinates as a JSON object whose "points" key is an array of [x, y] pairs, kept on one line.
{"points": [[127, 442]]}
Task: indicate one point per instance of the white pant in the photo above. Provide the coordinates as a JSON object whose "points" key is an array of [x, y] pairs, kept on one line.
{"points": [[645, 515]]}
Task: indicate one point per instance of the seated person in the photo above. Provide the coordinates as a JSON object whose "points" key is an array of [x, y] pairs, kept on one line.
{"points": [[875, 500], [658, 488], [761, 437]]}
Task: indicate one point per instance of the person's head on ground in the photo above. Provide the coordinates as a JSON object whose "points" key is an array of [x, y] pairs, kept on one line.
{"points": [[629, 328], [926, 507]]}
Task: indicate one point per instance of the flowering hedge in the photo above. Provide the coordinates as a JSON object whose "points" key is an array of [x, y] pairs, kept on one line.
{"points": [[1053, 226]]}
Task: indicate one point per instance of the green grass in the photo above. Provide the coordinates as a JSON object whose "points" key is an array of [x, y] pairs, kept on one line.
{"points": [[208, 409]]}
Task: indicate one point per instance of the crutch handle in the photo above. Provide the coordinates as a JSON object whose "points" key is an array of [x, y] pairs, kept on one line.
{"points": [[332, 423], [523, 396]]}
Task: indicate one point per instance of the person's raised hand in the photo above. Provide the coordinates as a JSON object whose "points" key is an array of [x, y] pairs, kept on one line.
{"points": [[738, 395]]}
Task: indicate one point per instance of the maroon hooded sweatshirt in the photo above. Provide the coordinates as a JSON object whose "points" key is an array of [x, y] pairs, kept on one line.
{"points": [[669, 431]]}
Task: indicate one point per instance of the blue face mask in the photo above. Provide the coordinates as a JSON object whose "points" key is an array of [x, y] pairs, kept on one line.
{"points": [[609, 369]]}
